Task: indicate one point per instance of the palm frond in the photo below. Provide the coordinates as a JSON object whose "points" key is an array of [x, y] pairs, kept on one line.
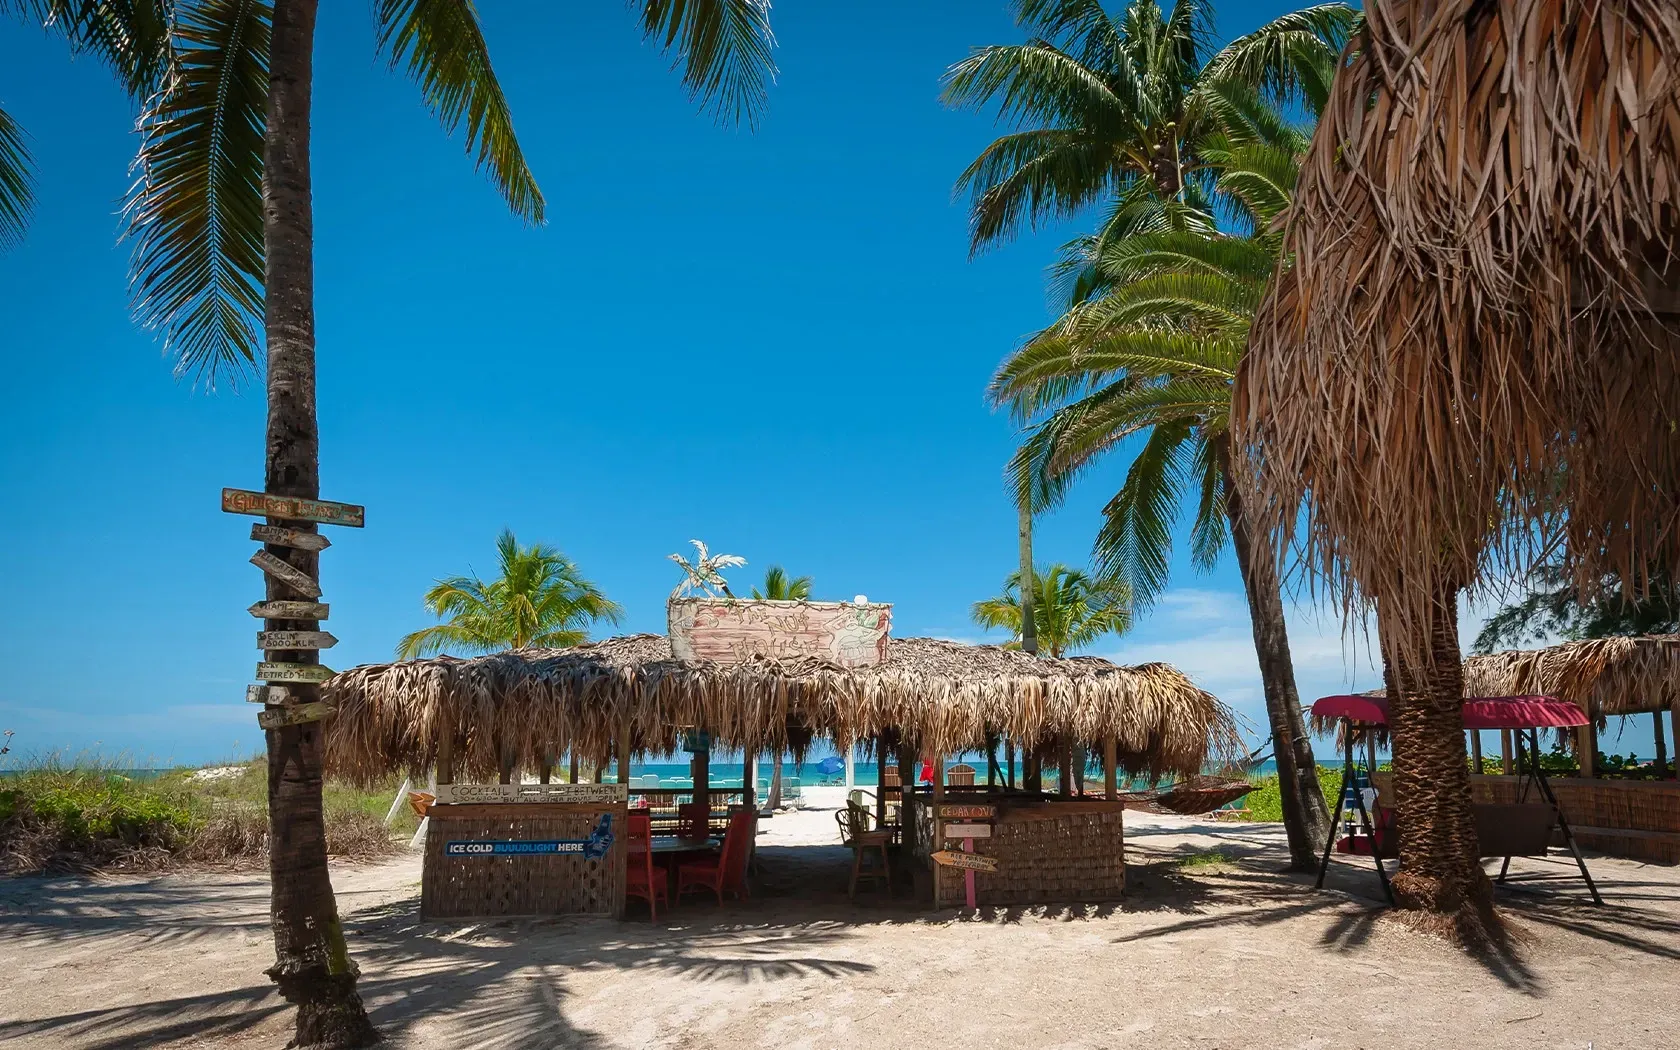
{"points": [[1211, 528], [442, 46], [195, 209], [17, 182], [1030, 177], [1135, 542], [1293, 57], [724, 48]]}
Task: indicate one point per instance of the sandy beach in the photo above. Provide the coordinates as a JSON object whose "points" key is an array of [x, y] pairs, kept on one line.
{"points": [[1232, 955]]}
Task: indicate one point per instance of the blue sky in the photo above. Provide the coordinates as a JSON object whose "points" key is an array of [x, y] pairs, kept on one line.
{"points": [[773, 341]]}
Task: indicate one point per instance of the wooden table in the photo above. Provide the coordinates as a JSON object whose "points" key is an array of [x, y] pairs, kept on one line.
{"points": [[681, 844]]}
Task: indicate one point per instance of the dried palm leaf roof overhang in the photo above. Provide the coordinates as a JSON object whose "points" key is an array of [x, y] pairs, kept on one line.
{"points": [[522, 708], [1467, 346]]}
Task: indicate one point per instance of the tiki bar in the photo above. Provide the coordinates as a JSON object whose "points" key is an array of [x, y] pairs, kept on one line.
{"points": [[759, 678]]}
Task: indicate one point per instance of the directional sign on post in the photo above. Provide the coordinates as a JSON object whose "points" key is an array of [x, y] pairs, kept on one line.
{"points": [[291, 716], [278, 672], [262, 504], [285, 573], [266, 694], [303, 541], [964, 861], [289, 610], [295, 640]]}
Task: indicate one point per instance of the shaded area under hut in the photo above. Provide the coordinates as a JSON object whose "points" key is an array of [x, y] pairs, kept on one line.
{"points": [[494, 718]]}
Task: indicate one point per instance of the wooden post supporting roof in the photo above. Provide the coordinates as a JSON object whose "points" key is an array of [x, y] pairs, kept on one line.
{"points": [[624, 754], [1475, 751], [749, 785], [446, 753], [1586, 748], [938, 840], [880, 781], [1508, 764], [1111, 763], [1065, 772], [573, 769], [1662, 745]]}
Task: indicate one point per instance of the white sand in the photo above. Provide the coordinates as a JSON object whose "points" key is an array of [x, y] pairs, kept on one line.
{"points": [[1238, 957]]}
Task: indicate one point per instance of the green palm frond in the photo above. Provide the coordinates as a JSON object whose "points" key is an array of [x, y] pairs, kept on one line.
{"points": [[442, 47], [195, 209], [1211, 528], [17, 182], [132, 37], [1135, 542], [1189, 252], [1084, 24], [1033, 176], [1040, 83], [724, 48], [1071, 609], [779, 586], [1293, 57]]}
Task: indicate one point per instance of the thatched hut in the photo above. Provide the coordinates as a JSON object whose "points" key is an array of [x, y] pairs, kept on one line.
{"points": [[523, 709], [1602, 676]]}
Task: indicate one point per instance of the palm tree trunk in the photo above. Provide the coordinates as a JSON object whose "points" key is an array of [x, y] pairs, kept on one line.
{"points": [[312, 964], [1306, 819], [775, 799], [1029, 623], [1440, 868]]}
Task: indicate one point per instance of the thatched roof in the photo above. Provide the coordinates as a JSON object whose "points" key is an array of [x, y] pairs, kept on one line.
{"points": [[530, 704], [1602, 676], [1458, 352]]}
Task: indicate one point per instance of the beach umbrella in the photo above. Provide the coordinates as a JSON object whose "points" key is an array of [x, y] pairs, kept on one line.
{"points": [[831, 766], [1465, 356]]}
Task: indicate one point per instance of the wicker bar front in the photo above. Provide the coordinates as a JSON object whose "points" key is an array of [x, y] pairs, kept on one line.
{"points": [[1047, 853], [1637, 819], [540, 884]]}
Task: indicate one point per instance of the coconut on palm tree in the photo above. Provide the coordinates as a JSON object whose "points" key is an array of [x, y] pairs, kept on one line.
{"points": [[222, 218], [1071, 609], [538, 598], [1462, 368], [1154, 355]]}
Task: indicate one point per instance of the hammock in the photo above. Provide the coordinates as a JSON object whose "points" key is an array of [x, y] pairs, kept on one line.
{"points": [[1190, 797]]}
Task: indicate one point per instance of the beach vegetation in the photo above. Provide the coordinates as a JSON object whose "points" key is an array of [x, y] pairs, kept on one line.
{"points": [[780, 587], [1072, 609]]}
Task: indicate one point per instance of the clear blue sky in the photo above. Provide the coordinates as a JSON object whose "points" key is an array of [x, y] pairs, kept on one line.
{"points": [[774, 342]]}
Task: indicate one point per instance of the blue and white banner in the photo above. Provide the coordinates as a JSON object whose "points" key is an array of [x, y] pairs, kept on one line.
{"points": [[591, 848]]}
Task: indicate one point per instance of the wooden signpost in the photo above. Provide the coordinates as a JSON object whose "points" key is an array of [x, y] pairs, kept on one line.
{"points": [[295, 640], [290, 610], [969, 812], [574, 794], [968, 831], [303, 541], [964, 861], [312, 674], [267, 694], [286, 574], [275, 717], [292, 508]]}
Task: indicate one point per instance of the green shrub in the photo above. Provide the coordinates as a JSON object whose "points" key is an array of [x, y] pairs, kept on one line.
{"points": [[1265, 802]]}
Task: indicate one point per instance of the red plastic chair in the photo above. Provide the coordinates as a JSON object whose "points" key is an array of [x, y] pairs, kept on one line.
{"points": [[693, 821], [643, 879], [726, 872]]}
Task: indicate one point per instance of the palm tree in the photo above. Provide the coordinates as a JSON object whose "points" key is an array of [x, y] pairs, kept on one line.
{"points": [[1071, 609], [222, 218], [701, 576], [538, 599], [132, 38], [780, 587], [1156, 354], [1113, 107]]}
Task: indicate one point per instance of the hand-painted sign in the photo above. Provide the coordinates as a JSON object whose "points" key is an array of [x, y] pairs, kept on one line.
{"points": [[290, 610], [591, 848], [241, 501], [278, 672], [968, 831], [696, 740], [965, 861], [275, 717], [303, 541], [730, 630], [957, 812], [295, 640], [285, 573], [576, 794], [266, 694]]}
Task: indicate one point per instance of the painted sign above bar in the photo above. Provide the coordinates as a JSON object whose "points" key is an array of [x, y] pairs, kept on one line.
{"points": [[577, 794], [281, 672], [968, 831], [303, 541], [964, 861], [242, 501], [295, 640], [730, 630], [290, 610], [958, 812], [275, 717], [286, 574], [591, 848]]}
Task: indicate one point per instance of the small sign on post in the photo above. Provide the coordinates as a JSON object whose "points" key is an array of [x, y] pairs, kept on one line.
{"points": [[968, 831], [285, 573], [267, 694], [279, 610], [295, 640], [307, 673], [964, 861], [303, 541], [292, 508], [967, 812], [275, 717]]}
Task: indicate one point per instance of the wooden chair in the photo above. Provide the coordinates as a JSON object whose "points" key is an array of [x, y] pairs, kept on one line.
{"points": [[643, 878], [693, 821], [856, 833], [726, 872]]}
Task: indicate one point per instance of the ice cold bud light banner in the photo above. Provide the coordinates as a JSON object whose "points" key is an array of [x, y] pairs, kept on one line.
{"points": [[591, 848]]}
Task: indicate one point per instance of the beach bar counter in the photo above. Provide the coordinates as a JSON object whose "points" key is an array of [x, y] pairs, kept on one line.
{"points": [[761, 678]]}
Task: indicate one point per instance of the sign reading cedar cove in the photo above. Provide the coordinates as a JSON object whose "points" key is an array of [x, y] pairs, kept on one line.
{"points": [[292, 508]]}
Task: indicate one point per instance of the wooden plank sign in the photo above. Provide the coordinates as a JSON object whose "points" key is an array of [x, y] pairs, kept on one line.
{"points": [[303, 541], [576, 794], [295, 640], [266, 694], [276, 672], [968, 831], [274, 718], [970, 812], [285, 573], [290, 610], [292, 508], [964, 861]]}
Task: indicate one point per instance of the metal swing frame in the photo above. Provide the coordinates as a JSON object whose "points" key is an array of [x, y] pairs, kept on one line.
{"points": [[1349, 780]]}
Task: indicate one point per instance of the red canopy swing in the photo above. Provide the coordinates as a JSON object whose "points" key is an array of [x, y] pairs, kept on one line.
{"points": [[1505, 830]]}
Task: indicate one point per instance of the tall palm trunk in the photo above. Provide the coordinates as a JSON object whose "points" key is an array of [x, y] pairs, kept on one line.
{"points": [[1029, 622], [1306, 819], [312, 965], [1440, 866]]}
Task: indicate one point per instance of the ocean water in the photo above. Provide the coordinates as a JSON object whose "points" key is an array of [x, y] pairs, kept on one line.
{"points": [[726, 773]]}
